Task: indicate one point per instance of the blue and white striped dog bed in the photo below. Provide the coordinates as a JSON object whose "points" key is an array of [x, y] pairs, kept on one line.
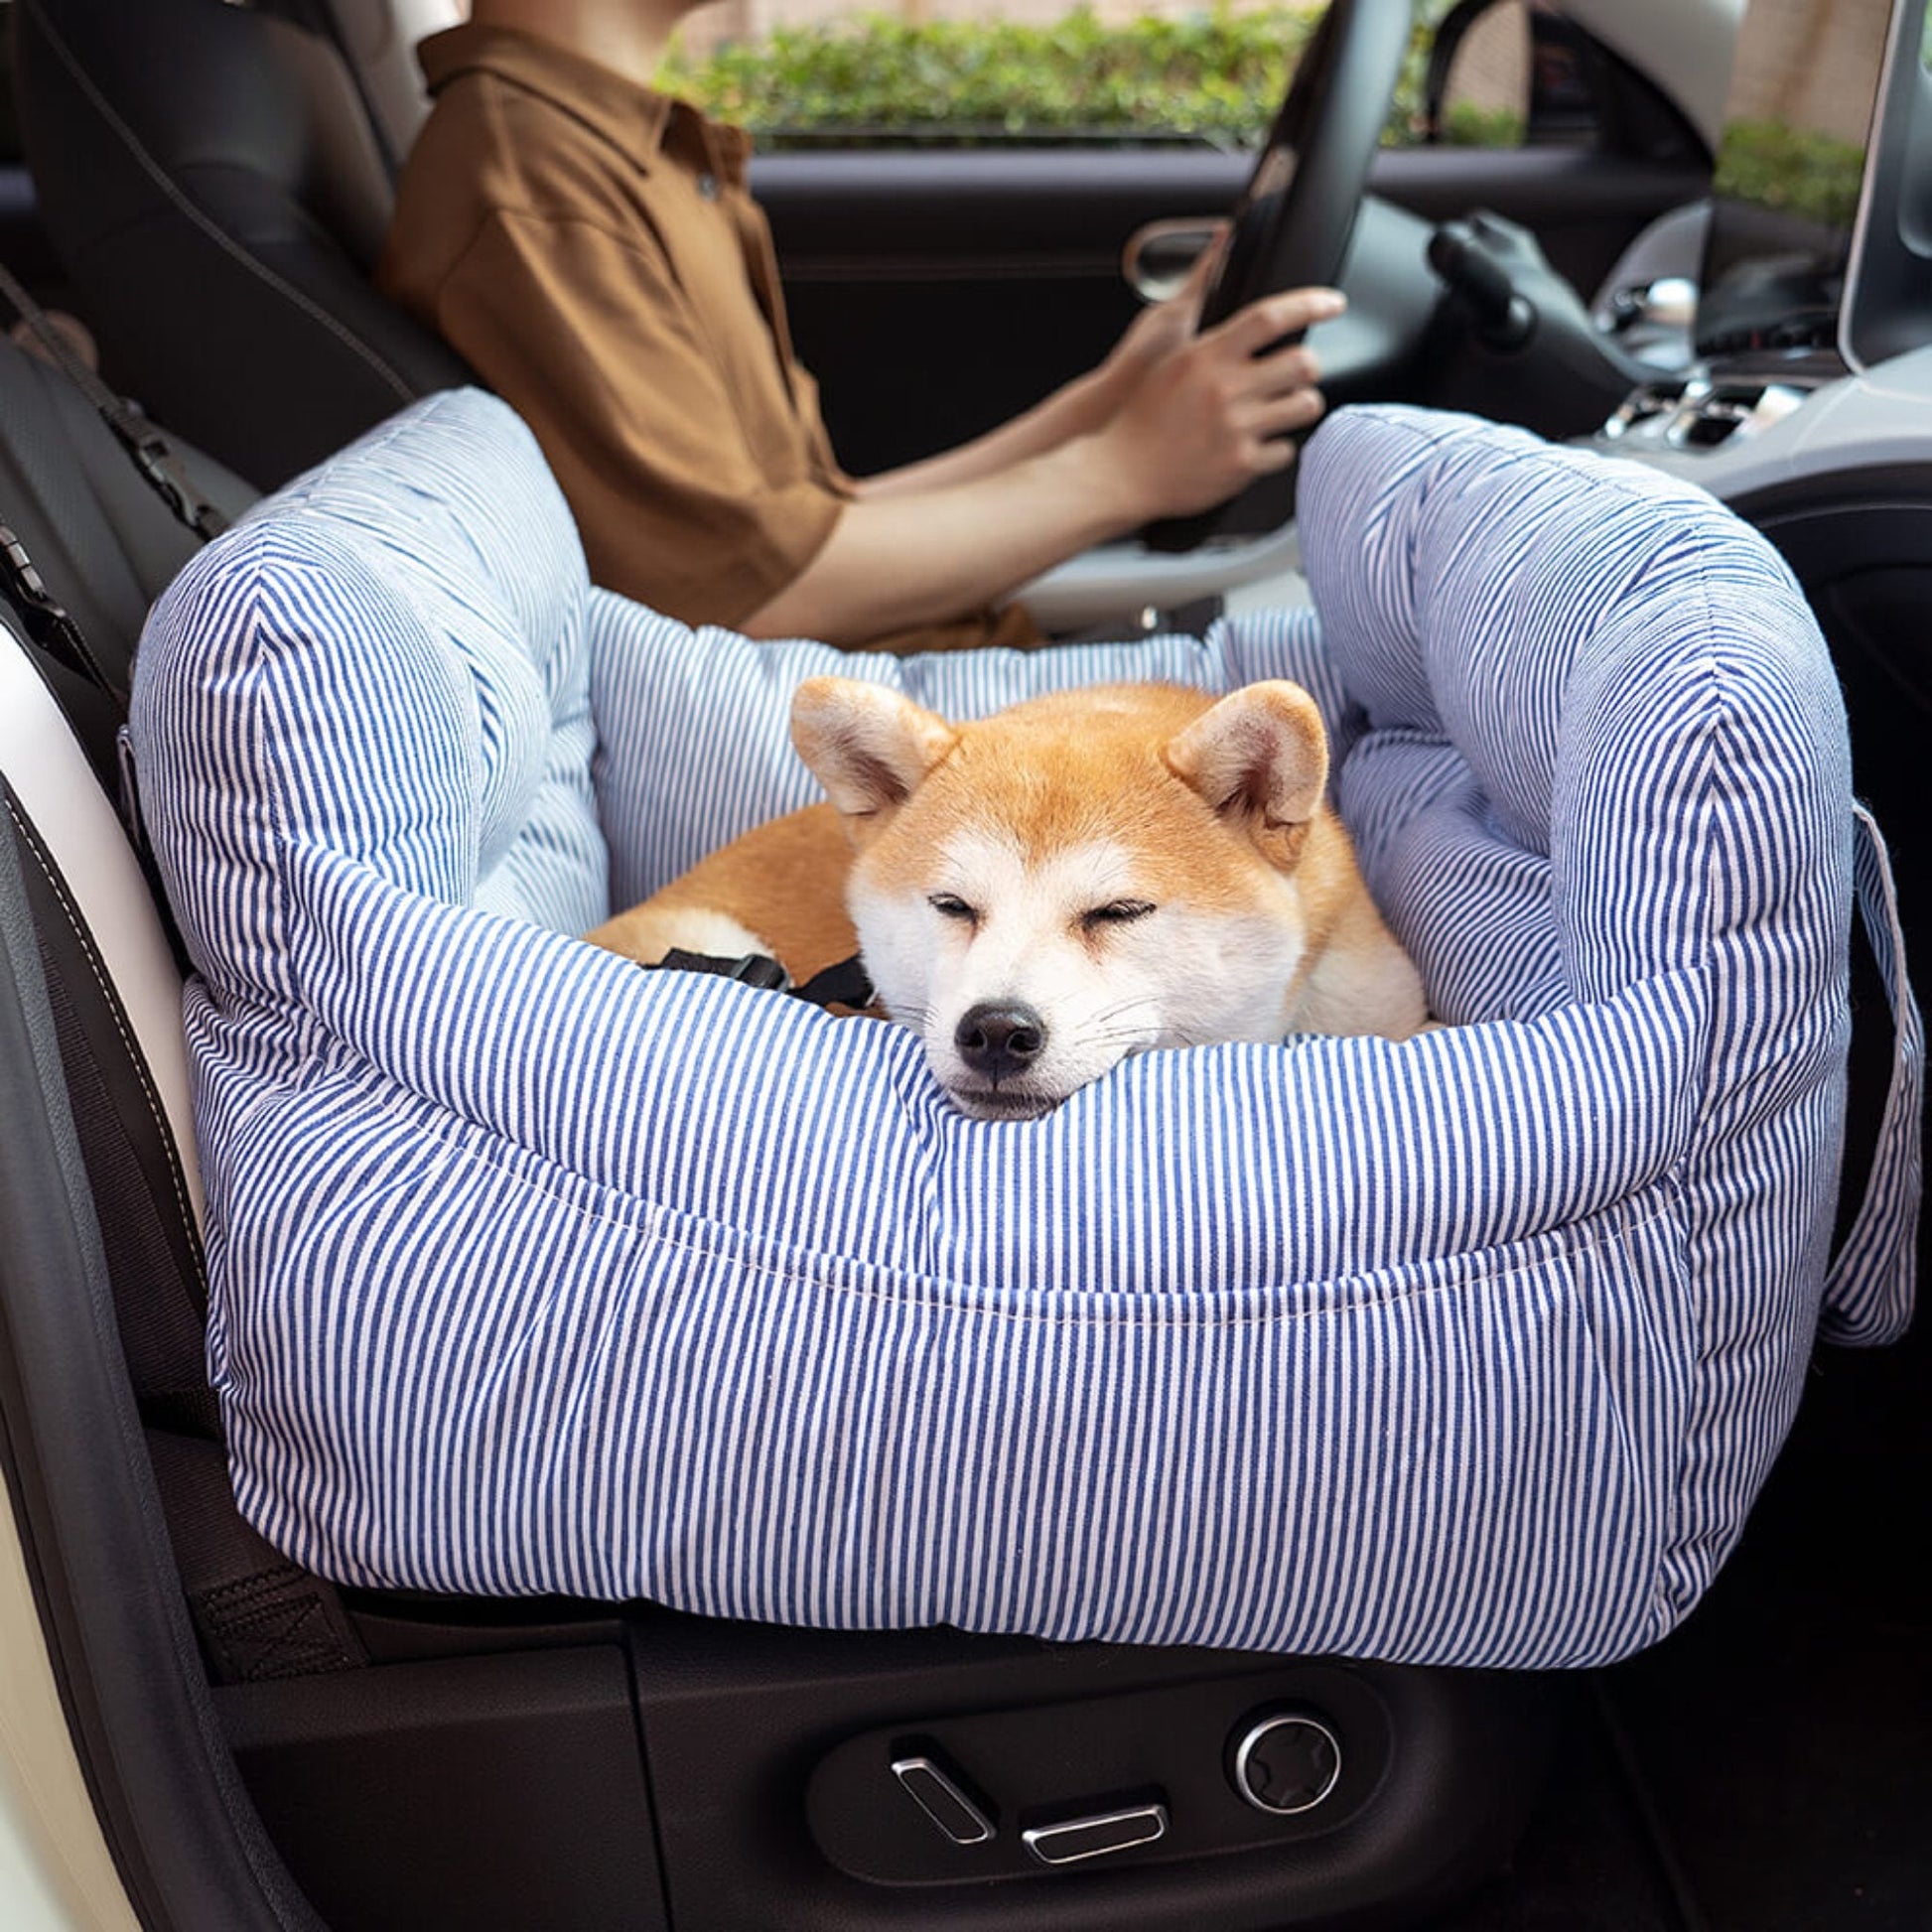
{"points": [[535, 1270]]}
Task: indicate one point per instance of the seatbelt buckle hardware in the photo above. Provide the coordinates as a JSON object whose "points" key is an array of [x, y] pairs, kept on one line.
{"points": [[45, 618], [152, 456], [131, 821], [843, 984], [135, 825], [28, 583], [750, 969], [157, 461]]}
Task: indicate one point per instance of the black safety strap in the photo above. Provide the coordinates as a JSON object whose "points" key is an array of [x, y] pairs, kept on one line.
{"points": [[46, 620], [151, 452], [258, 1615], [846, 983], [95, 707], [750, 969], [843, 984]]}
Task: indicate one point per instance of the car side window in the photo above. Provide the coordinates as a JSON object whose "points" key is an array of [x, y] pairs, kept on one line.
{"points": [[990, 72], [1503, 73], [1476, 78], [1482, 73]]}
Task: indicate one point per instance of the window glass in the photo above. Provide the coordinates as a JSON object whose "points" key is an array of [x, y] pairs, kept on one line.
{"points": [[969, 71], [952, 71], [1800, 108], [1790, 166], [1488, 81]]}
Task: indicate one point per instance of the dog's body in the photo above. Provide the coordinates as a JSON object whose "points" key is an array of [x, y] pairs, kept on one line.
{"points": [[1082, 876]]}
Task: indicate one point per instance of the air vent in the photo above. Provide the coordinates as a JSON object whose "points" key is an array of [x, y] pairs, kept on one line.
{"points": [[1701, 414]]}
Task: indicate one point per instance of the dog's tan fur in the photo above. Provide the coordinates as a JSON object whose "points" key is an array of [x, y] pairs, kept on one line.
{"points": [[1138, 841]]}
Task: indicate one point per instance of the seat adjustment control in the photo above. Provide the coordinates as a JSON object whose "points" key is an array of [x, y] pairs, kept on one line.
{"points": [[943, 1800], [1287, 1763], [1078, 1839]]}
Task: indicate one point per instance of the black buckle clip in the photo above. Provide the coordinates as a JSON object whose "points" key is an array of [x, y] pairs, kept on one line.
{"points": [[752, 969], [154, 458], [845, 982], [29, 586]]}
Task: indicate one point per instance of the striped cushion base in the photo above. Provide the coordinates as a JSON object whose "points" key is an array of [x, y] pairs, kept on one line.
{"points": [[535, 1271]]}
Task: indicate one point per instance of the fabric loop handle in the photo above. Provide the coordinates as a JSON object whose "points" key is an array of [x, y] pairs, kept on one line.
{"points": [[1869, 1288]]}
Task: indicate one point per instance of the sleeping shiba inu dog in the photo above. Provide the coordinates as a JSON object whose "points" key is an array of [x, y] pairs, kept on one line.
{"points": [[1082, 876]]}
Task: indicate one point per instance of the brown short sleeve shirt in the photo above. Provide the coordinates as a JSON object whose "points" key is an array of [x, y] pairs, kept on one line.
{"points": [[591, 249]]}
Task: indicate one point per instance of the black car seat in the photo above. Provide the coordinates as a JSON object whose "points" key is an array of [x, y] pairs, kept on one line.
{"points": [[87, 517], [100, 1275], [216, 187]]}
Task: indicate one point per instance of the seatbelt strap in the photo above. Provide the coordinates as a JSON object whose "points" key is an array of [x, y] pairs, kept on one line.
{"points": [[50, 628], [46, 620], [846, 983], [750, 969], [152, 453]]}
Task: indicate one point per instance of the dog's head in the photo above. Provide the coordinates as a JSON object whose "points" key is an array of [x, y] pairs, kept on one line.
{"points": [[1080, 878]]}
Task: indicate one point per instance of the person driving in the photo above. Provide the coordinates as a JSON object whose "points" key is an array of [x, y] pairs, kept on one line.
{"points": [[588, 245]]}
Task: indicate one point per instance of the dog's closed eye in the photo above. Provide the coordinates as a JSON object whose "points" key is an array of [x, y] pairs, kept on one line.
{"points": [[949, 905], [1117, 912]]}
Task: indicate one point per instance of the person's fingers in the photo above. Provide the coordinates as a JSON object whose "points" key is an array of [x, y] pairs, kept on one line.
{"points": [[1207, 263], [1272, 454], [1274, 316], [1184, 304], [1293, 367], [1281, 416]]}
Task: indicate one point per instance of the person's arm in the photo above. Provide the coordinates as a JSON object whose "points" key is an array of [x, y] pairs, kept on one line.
{"points": [[1192, 426]]}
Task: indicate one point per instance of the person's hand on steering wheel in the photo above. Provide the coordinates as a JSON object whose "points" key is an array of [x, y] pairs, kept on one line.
{"points": [[1195, 418]]}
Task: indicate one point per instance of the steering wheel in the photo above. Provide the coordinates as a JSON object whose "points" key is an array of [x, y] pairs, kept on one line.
{"points": [[1290, 225]]}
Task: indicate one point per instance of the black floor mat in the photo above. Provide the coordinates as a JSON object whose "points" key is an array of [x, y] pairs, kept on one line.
{"points": [[1769, 1768], [1790, 1761], [1588, 1861], [1785, 1732]]}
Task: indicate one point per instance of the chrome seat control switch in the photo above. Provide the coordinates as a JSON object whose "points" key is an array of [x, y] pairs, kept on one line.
{"points": [[940, 1796], [1107, 1832]]}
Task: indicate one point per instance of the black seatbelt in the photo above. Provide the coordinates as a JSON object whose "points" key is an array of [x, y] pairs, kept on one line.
{"points": [[152, 453], [95, 708], [845, 982], [46, 620]]}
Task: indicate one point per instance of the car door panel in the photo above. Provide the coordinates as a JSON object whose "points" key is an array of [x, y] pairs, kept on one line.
{"points": [[936, 293]]}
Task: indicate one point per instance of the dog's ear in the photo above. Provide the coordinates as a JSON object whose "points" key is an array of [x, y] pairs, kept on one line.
{"points": [[1260, 759], [866, 746]]}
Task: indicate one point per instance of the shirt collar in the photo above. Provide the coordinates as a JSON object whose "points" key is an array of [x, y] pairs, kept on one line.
{"points": [[639, 122]]}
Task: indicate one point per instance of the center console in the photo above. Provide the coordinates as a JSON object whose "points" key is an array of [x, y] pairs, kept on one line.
{"points": [[1800, 394], [1815, 269]]}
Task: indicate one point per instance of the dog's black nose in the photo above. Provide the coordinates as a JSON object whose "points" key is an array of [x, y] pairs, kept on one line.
{"points": [[997, 1039]]}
